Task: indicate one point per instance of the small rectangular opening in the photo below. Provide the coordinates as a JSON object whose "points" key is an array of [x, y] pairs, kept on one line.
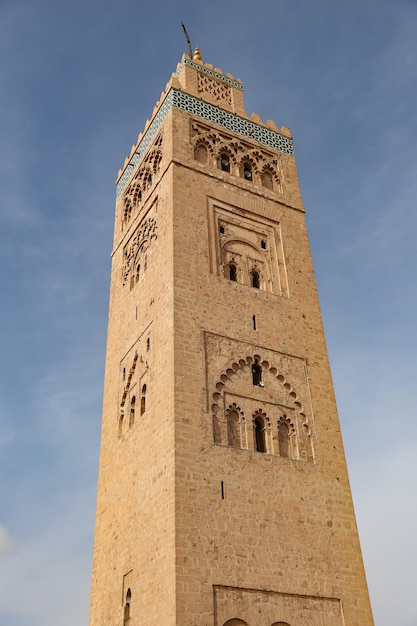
{"points": [[222, 489], [254, 321]]}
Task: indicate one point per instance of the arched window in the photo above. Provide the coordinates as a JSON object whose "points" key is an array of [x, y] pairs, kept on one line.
{"points": [[255, 279], [132, 411], [148, 344], [267, 180], [157, 156], [259, 428], [247, 171], [200, 153], [137, 195], [128, 210], [225, 162], [143, 400], [232, 269], [233, 429], [284, 438], [257, 374], [126, 616]]}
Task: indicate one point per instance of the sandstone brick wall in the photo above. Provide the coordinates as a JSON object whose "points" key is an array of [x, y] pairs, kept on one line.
{"points": [[200, 531]]}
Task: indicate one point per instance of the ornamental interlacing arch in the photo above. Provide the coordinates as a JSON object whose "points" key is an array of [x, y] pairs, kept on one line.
{"points": [[235, 420], [274, 406], [134, 254], [142, 181], [265, 167], [248, 259]]}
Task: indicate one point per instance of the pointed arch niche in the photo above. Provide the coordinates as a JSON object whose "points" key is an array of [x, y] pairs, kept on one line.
{"points": [[235, 426], [237, 157], [134, 381], [245, 250], [137, 249], [270, 417]]}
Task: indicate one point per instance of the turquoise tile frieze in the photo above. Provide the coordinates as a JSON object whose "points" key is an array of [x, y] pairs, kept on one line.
{"points": [[147, 139], [210, 113], [246, 128]]}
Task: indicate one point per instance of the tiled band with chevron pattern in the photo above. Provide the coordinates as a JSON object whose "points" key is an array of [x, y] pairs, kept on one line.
{"points": [[216, 115]]}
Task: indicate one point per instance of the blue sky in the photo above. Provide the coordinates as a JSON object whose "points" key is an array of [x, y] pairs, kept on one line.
{"points": [[78, 81]]}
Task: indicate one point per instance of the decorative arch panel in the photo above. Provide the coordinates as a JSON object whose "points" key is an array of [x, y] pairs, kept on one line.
{"points": [[271, 411]]}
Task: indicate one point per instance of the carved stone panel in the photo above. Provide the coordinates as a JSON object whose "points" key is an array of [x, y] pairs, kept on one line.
{"points": [[219, 91], [266, 391], [265, 167], [253, 246], [135, 252]]}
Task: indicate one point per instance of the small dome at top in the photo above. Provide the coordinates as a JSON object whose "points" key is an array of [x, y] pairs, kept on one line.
{"points": [[197, 56]]}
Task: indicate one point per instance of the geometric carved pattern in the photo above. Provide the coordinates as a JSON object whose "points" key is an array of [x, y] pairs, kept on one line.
{"points": [[232, 122], [250, 246], [137, 246], [209, 72], [236, 382], [234, 407], [133, 369], [239, 153], [211, 113], [142, 181], [218, 91], [269, 393]]}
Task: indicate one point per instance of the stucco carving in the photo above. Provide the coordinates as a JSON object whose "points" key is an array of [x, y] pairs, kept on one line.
{"points": [[137, 247], [239, 152]]}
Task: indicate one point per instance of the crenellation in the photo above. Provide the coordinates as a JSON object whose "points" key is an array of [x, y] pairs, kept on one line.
{"points": [[189, 83]]}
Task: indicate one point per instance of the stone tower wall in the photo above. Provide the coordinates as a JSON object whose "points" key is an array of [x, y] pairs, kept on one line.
{"points": [[223, 490]]}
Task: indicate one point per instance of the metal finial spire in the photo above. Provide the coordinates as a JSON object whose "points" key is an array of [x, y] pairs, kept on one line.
{"points": [[197, 56], [190, 53]]}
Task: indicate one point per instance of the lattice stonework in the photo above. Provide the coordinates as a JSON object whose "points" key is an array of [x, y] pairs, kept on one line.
{"points": [[219, 91], [239, 152], [214, 115], [137, 245], [201, 68], [232, 122], [142, 181]]}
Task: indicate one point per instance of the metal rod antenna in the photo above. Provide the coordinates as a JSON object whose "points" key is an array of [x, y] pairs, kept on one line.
{"points": [[190, 53]]}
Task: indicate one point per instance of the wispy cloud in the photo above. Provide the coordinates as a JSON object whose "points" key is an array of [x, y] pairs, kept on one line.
{"points": [[383, 487], [6, 540]]}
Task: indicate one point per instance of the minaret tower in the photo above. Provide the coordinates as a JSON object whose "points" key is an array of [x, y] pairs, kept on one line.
{"points": [[223, 496]]}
